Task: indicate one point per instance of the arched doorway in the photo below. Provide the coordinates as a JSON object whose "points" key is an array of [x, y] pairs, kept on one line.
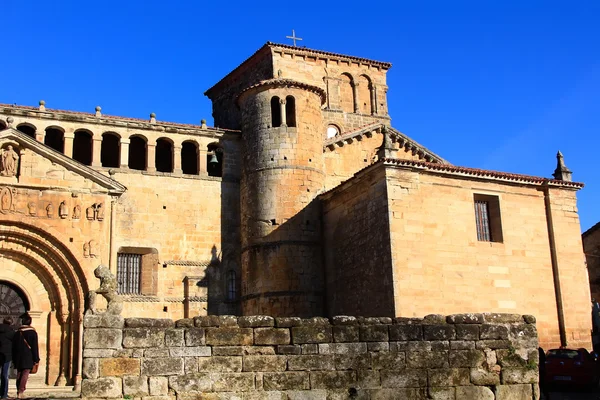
{"points": [[13, 302]]}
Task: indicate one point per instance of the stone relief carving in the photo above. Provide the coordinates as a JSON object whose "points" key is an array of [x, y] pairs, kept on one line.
{"points": [[50, 210], [6, 200], [100, 211], [63, 212], [90, 211], [90, 249], [10, 162], [77, 212], [32, 208], [108, 290]]}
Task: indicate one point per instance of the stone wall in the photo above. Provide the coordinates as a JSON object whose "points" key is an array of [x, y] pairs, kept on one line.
{"points": [[462, 356], [591, 248]]}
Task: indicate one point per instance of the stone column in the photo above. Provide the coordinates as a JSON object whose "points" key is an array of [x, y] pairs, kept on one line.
{"points": [[202, 153], [97, 149], [282, 111], [63, 318], [124, 163], [78, 350], [68, 143], [373, 100], [177, 160], [151, 159], [40, 135], [356, 99]]}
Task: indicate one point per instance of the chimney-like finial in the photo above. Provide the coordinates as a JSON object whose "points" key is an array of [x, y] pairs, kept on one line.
{"points": [[387, 149], [562, 173], [42, 105]]}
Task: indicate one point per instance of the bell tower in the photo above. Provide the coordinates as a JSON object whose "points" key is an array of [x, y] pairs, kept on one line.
{"points": [[282, 173]]}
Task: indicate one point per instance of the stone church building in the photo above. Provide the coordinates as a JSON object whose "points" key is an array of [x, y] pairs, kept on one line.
{"points": [[301, 201]]}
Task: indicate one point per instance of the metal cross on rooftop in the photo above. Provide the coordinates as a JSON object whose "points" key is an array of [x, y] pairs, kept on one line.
{"points": [[293, 37]]}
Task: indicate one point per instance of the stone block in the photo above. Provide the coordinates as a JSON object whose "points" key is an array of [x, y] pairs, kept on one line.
{"points": [[509, 358], [483, 377], [311, 363], [500, 318], [228, 351], [396, 347], [103, 321], [368, 379], [378, 346], [403, 378], [315, 321], [220, 364], [388, 361], [286, 381], [442, 393], [405, 332], [511, 376], [434, 319], [98, 353], [351, 362], [198, 351], [206, 321], [162, 366], [524, 335], [529, 319], [462, 344], [310, 348], [399, 394], [439, 332], [439, 345], [109, 387], [474, 393], [234, 382], [90, 368], [264, 363], [199, 382], [195, 337], [143, 337], [119, 366], [306, 395], [258, 350], [255, 321], [344, 320], [342, 348], [127, 353], [185, 323], [374, 333], [271, 336], [311, 334], [102, 338], [466, 358], [190, 364], [448, 377], [158, 385], [493, 332], [467, 332], [287, 322], [228, 320], [345, 333], [469, 318], [156, 352], [290, 349], [229, 336], [510, 392], [332, 379], [148, 323], [174, 337], [135, 386], [427, 359], [492, 344]]}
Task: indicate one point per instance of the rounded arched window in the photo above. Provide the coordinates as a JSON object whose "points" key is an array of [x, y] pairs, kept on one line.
{"points": [[332, 131]]}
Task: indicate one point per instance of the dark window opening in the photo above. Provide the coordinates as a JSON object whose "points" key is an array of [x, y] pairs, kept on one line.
{"points": [[487, 218], [137, 153], [55, 139], [129, 273], [189, 158], [231, 286], [214, 160], [27, 129], [164, 156], [275, 112], [110, 155], [82, 147], [290, 111], [2, 125]]}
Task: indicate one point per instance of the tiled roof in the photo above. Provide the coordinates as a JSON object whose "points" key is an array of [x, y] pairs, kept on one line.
{"points": [[288, 83], [591, 230], [8, 107]]}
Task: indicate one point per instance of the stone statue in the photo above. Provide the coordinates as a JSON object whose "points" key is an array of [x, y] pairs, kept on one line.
{"points": [[99, 212], [86, 249], [108, 290], [62, 210], [92, 249], [77, 212], [90, 211], [50, 210], [10, 160], [32, 206]]}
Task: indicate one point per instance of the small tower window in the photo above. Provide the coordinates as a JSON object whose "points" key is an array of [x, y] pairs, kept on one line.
{"points": [[164, 155], [137, 153], [290, 111], [82, 147], [55, 138], [214, 160], [189, 158], [275, 112], [27, 129], [110, 154], [332, 131], [231, 286]]}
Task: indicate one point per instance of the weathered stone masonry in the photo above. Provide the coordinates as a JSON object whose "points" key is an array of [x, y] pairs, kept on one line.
{"points": [[462, 356]]}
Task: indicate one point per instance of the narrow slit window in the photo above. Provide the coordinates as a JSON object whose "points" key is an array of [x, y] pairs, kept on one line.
{"points": [[231, 286], [275, 112], [290, 111]]}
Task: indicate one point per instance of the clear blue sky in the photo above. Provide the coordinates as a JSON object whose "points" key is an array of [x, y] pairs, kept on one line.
{"points": [[489, 84]]}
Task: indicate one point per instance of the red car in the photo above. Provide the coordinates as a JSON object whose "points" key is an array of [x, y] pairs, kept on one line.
{"points": [[569, 366]]}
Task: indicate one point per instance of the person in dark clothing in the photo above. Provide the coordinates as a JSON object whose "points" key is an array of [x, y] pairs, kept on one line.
{"points": [[6, 338], [25, 352]]}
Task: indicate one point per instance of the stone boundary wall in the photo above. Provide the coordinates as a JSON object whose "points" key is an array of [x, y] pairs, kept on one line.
{"points": [[462, 356]]}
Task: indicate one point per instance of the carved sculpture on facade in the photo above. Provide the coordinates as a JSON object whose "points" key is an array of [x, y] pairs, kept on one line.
{"points": [[6, 200], [50, 210], [90, 212], [99, 211], [32, 208], [10, 162], [77, 212], [108, 290], [63, 211], [86, 249], [90, 249]]}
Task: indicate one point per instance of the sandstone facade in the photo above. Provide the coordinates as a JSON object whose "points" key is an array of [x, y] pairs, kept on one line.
{"points": [[302, 202]]}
